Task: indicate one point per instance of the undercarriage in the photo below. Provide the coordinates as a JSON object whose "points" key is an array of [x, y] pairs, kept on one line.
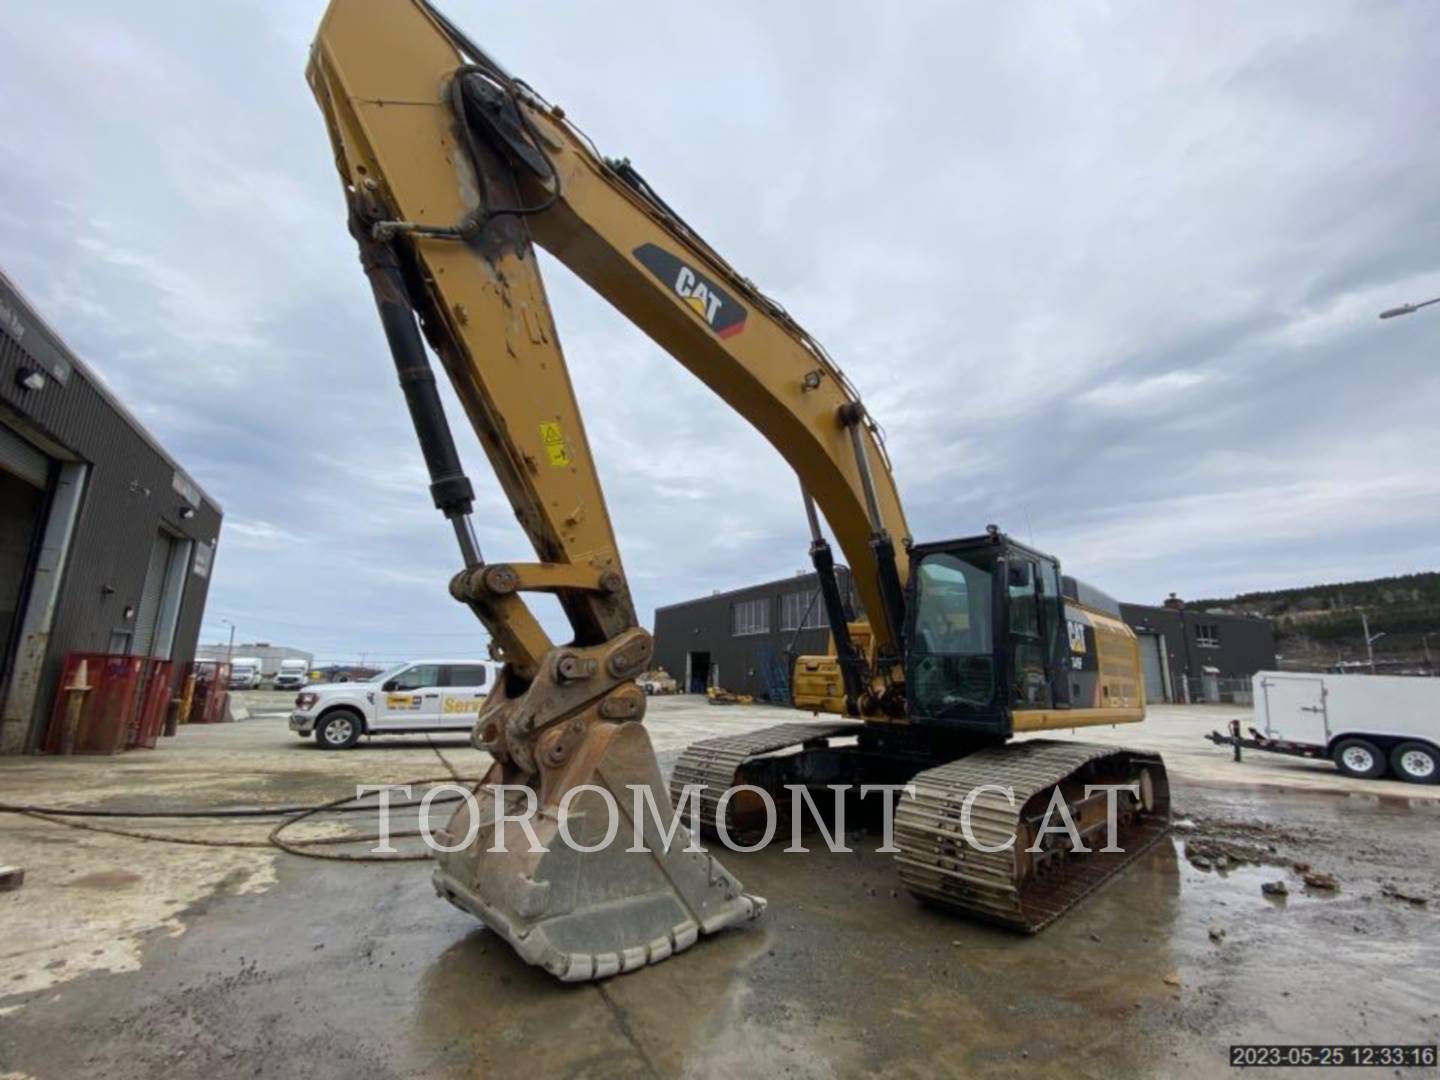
{"points": [[981, 833]]}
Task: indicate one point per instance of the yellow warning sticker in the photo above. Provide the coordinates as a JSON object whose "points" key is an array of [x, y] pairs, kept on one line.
{"points": [[555, 448]]}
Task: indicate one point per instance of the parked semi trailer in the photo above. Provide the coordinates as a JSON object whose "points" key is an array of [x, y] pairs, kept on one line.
{"points": [[1369, 725]]}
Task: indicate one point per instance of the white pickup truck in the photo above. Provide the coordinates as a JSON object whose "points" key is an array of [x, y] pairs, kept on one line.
{"points": [[417, 696], [1368, 725]]}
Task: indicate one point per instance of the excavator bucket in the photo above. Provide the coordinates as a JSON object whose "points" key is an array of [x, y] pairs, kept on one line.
{"points": [[580, 900]]}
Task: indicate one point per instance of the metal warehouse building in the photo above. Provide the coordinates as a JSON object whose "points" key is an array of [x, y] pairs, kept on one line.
{"points": [[743, 641], [269, 655], [740, 640], [1199, 655], [106, 544]]}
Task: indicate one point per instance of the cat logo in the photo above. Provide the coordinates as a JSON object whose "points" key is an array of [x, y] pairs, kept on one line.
{"points": [[1077, 635], [714, 306]]}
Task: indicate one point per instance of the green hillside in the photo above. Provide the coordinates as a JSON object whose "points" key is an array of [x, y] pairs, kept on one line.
{"points": [[1322, 622]]}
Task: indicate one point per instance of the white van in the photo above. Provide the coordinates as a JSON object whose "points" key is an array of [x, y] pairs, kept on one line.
{"points": [[416, 696], [293, 675], [245, 673]]}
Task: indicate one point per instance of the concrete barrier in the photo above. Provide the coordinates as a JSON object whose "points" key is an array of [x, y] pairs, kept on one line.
{"points": [[235, 709]]}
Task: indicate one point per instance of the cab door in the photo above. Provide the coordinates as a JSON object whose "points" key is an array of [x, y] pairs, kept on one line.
{"points": [[465, 688], [410, 699], [1029, 660]]}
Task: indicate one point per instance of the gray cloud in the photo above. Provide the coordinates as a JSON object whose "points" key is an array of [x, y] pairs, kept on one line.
{"points": [[1107, 274]]}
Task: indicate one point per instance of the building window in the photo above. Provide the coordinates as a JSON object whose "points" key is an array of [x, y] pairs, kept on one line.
{"points": [[1207, 635], [751, 616], [798, 606]]}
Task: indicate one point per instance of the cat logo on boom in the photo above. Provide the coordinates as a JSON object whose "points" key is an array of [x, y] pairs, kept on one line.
{"points": [[717, 308]]}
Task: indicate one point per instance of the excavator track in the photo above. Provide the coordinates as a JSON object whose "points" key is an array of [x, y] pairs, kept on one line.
{"points": [[1012, 887], [716, 764]]}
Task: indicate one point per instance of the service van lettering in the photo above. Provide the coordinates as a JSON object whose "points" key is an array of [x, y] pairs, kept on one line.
{"points": [[463, 705]]}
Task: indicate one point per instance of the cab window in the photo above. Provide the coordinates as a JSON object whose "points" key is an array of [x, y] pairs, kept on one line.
{"points": [[1024, 609], [421, 675], [952, 658], [465, 675]]}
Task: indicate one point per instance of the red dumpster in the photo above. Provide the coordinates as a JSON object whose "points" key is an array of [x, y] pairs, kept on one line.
{"points": [[123, 709]]}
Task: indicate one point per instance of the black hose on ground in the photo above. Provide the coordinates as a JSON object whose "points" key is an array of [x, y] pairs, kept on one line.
{"points": [[292, 814], [336, 805]]}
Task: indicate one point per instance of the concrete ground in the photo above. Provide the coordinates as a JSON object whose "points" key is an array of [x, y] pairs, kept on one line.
{"points": [[129, 957]]}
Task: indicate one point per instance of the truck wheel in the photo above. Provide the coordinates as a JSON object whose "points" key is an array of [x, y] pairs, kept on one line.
{"points": [[1359, 758], [1415, 763], [338, 730]]}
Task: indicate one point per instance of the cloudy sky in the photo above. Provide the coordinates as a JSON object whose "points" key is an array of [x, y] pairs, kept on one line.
{"points": [[1107, 273]]}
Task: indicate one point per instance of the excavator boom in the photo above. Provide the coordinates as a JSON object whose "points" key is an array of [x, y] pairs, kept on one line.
{"points": [[454, 173]]}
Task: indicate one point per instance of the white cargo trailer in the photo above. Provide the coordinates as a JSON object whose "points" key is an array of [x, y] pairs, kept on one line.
{"points": [[1369, 725]]}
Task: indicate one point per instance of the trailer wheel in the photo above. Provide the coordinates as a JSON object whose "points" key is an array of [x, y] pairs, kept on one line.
{"points": [[1359, 758], [1416, 763]]}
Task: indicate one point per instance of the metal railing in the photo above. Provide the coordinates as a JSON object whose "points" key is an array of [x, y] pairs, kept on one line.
{"points": [[1216, 690]]}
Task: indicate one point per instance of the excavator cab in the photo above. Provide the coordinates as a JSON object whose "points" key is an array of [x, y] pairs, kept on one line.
{"points": [[986, 634]]}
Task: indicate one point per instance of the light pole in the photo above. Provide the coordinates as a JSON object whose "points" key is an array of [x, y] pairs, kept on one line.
{"points": [[1370, 640], [229, 649], [1407, 309]]}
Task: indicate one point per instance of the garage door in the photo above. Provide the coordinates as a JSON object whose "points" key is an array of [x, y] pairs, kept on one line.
{"points": [[143, 644], [24, 477], [1152, 651]]}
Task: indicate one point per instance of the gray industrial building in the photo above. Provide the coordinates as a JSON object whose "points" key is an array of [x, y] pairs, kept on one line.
{"points": [[106, 543], [740, 640], [269, 655], [1193, 655], [744, 641]]}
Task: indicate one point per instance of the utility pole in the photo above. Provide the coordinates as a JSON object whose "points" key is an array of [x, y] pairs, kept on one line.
{"points": [[1425, 643], [230, 649], [1370, 640]]}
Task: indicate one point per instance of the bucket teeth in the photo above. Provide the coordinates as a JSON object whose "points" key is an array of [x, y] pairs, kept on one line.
{"points": [[583, 914]]}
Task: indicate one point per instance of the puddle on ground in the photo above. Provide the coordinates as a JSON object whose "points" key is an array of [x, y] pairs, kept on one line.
{"points": [[1239, 885], [105, 879]]}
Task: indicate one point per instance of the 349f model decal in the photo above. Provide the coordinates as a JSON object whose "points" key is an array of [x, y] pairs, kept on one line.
{"points": [[720, 311]]}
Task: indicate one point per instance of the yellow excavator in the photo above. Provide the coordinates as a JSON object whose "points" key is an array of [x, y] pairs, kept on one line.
{"points": [[453, 172]]}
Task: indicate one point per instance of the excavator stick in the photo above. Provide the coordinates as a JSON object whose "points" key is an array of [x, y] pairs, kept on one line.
{"points": [[587, 886]]}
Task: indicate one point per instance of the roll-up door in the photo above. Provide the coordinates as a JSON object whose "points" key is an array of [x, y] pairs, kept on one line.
{"points": [[1152, 647], [148, 613], [20, 458]]}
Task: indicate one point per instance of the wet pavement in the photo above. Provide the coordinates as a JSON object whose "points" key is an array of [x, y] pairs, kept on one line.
{"points": [[268, 964]]}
